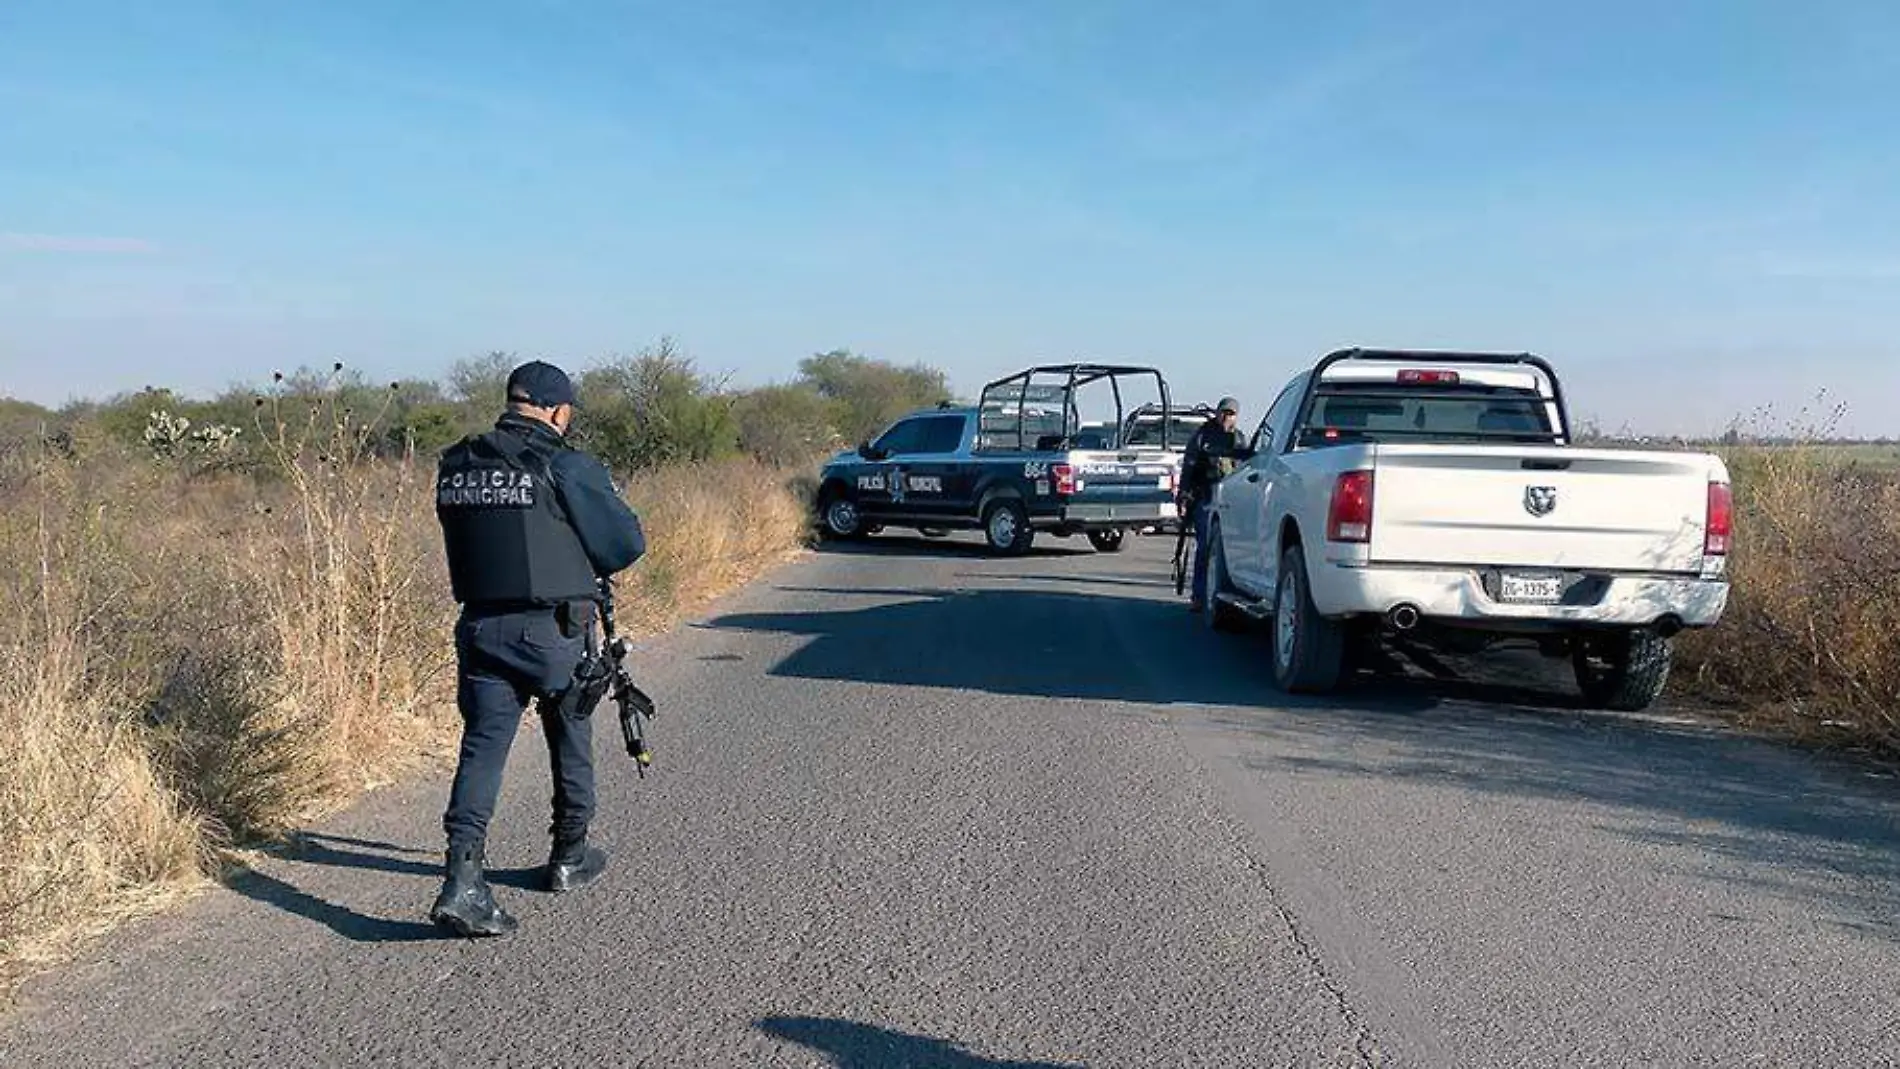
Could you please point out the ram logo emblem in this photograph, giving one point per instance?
(1540, 500)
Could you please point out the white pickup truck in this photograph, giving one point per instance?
(1438, 497)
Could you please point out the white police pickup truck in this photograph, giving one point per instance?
(1008, 467)
(1438, 497)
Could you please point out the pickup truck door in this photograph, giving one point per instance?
(1238, 505)
(878, 497)
(942, 473)
(920, 468)
(1249, 508)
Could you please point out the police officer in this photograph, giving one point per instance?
(1210, 456)
(529, 525)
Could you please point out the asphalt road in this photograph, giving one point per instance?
(917, 807)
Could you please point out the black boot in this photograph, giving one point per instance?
(573, 864)
(467, 906)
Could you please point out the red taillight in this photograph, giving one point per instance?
(1065, 478)
(1721, 520)
(1350, 518)
(1413, 377)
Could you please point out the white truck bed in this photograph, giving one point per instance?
(1541, 506)
(1411, 494)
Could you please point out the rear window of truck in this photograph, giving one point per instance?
(1017, 421)
(1180, 429)
(1383, 411)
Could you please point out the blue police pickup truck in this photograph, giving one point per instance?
(1011, 466)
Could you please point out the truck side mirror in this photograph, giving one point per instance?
(867, 450)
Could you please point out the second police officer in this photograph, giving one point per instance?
(1210, 456)
(530, 525)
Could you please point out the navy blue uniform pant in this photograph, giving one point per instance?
(1198, 517)
(505, 660)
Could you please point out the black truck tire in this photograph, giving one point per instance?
(1623, 671)
(1309, 651)
(1107, 541)
(839, 517)
(1006, 527)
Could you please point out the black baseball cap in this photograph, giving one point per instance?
(1228, 404)
(542, 385)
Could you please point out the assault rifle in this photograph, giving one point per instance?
(1180, 544)
(634, 703)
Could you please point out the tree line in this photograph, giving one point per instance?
(647, 410)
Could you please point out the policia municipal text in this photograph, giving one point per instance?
(530, 526)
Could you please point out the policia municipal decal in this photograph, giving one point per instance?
(500, 489)
(899, 484)
(532, 529)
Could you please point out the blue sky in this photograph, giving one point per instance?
(1692, 207)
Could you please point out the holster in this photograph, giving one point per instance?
(593, 675)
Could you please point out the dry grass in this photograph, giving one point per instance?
(89, 831)
(192, 661)
(1810, 646)
(709, 527)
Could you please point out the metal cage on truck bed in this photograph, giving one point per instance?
(1034, 410)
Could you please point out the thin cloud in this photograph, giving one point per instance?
(1240, 130)
(74, 244)
(1832, 269)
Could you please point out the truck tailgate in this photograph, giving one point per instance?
(1539, 507)
(1103, 477)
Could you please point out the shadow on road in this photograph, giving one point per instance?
(1159, 585)
(311, 848)
(851, 1045)
(953, 548)
(342, 920)
(1067, 644)
(1820, 831)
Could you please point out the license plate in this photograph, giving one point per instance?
(1531, 589)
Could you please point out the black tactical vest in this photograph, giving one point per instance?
(1202, 470)
(507, 536)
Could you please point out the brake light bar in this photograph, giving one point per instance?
(1721, 522)
(1349, 518)
(1418, 377)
